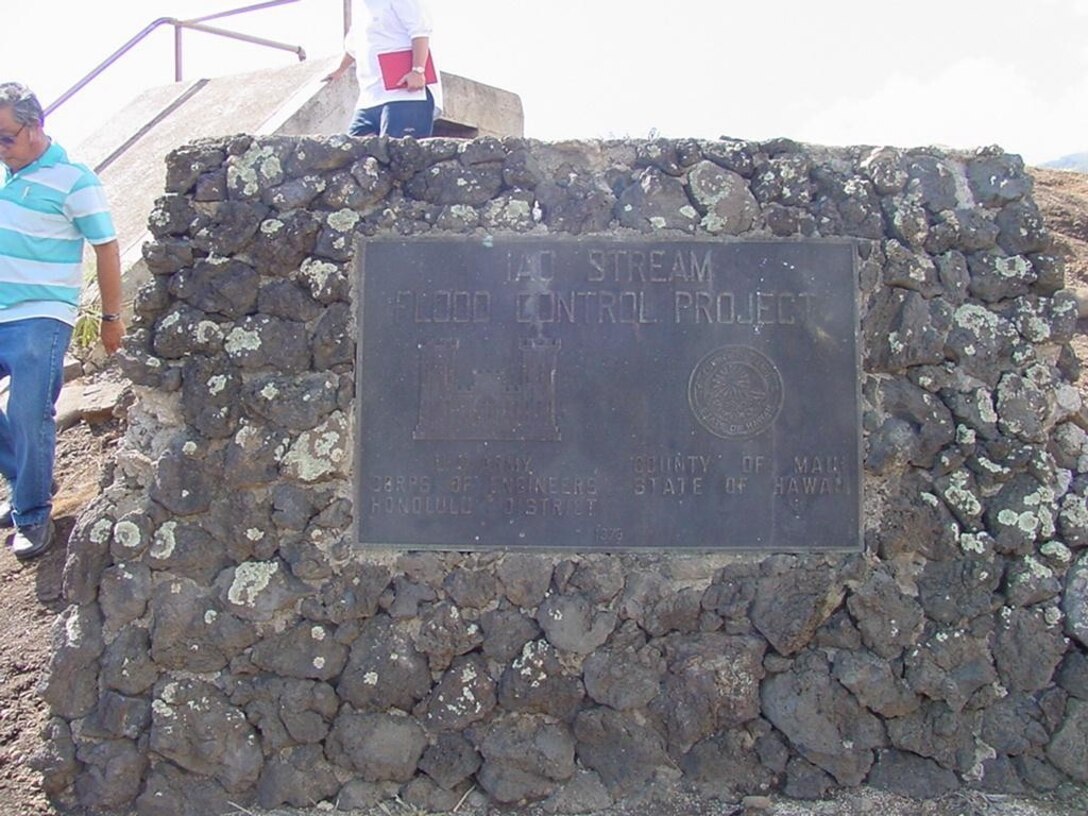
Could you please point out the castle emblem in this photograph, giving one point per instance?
(494, 404)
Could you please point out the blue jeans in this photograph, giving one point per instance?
(412, 118)
(32, 355)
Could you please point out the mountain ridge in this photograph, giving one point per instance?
(1077, 162)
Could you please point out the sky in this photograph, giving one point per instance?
(955, 73)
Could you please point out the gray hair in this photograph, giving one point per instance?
(25, 107)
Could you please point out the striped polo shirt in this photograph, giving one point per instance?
(47, 209)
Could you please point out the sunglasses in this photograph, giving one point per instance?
(8, 141)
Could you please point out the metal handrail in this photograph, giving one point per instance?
(196, 24)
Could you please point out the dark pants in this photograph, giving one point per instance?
(32, 355)
(413, 118)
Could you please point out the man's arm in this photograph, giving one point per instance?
(345, 62)
(108, 270)
(414, 80)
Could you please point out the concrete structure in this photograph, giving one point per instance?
(128, 151)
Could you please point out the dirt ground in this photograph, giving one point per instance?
(30, 599)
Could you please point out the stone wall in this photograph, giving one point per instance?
(227, 642)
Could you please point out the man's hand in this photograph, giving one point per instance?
(112, 334)
(413, 81)
(345, 62)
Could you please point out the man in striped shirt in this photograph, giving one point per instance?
(48, 207)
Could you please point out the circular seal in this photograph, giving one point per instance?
(735, 391)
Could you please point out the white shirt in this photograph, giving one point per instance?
(387, 25)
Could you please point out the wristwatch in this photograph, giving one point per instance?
(110, 318)
(419, 69)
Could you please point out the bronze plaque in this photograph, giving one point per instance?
(606, 394)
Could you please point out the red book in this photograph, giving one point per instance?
(395, 64)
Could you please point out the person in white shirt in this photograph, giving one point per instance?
(408, 107)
